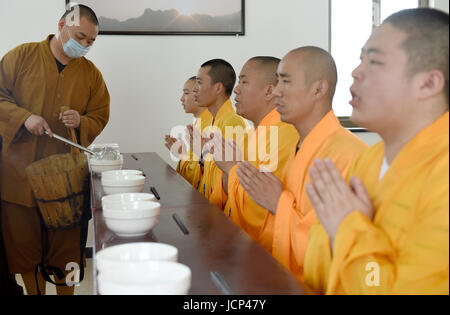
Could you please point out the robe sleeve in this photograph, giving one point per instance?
(97, 111)
(367, 262)
(12, 116)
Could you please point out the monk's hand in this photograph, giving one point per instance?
(226, 153)
(169, 141)
(333, 199)
(36, 125)
(70, 118)
(263, 187)
(194, 139)
(176, 146)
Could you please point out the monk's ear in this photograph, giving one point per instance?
(268, 92)
(219, 88)
(61, 24)
(428, 84)
(320, 88)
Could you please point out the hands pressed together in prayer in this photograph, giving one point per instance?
(176, 146)
(333, 199)
(226, 153)
(263, 187)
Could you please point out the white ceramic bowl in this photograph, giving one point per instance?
(152, 277)
(123, 184)
(100, 166)
(109, 259)
(132, 219)
(110, 200)
(121, 173)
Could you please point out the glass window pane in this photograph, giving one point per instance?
(389, 7)
(351, 26)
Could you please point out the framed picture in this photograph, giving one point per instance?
(168, 17)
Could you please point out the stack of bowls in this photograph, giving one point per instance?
(123, 184)
(141, 268)
(131, 218)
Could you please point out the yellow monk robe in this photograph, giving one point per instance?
(408, 239)
(211, 182)
(295, 214)
(188, 167)
(31, 84)
(240, 207)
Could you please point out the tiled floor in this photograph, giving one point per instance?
(85, 287)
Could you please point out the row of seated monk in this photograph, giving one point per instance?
(341, 216)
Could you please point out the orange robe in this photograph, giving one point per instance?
(295, 214)
(405, 248)
(188, 167)
(211, 182)
(279, 147)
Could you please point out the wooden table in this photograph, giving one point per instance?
(214, 242)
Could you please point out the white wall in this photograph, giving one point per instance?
(145, 74)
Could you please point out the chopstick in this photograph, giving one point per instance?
(180, 224)
(153, 190)
(134, 157)
(221, 284)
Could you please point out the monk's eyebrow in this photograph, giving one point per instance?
(372, 51)
(242, 76)
(283, 75)
(84, 35)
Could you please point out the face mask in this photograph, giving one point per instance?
(74, 49)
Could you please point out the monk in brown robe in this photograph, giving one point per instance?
(36, 80)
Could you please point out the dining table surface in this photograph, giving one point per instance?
(223, 259)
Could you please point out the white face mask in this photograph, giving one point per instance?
(74, 49)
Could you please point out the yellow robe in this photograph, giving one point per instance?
(295, 214)
(188, 167)
(211, 182)
(31, 84)
(240, 207)
(406, 245)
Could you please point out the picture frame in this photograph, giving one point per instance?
(168, 17)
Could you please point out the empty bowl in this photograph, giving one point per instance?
(152, 277)
(121, 173)
(110, 258)
(123, 184)
(131, 219)
(126, 197)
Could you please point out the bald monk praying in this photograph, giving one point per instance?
(385, 230)
(36, 80)
(269, 146)
(215, 83)
(188, 166)
(306, 83)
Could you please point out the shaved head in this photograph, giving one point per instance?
(426, 44)
(84, 11)
(267, 68)
(317, 65)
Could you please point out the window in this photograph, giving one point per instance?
(351, 23)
